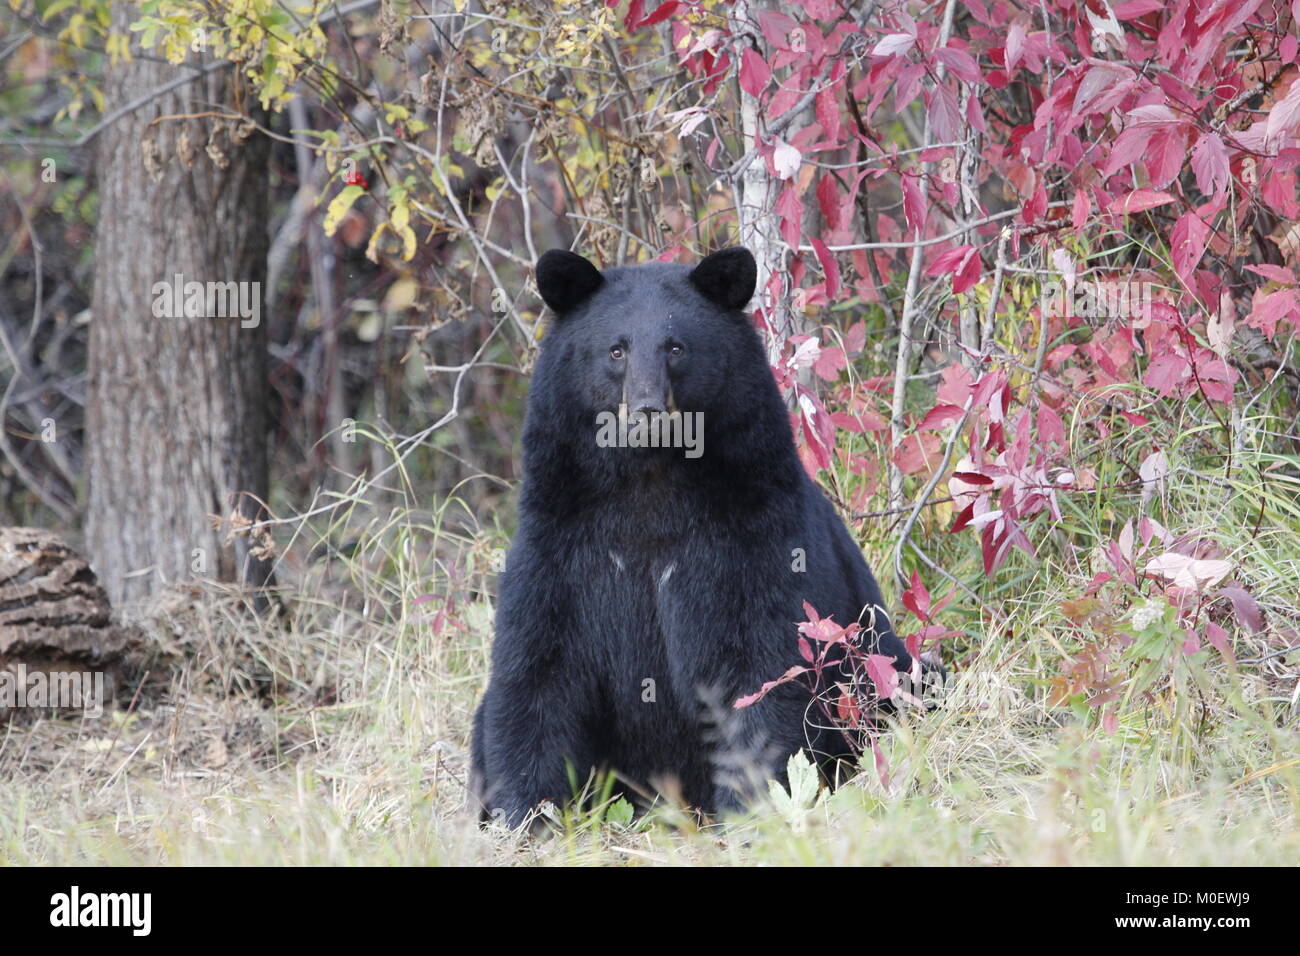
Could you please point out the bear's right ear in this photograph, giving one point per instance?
(565, 279)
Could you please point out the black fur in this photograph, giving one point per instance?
(632, 564)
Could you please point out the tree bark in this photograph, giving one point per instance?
(176, 410)
(759, 228)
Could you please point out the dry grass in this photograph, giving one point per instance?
(337, 734)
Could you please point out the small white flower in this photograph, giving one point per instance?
(1146, 615)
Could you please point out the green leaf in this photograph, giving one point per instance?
(620, 813)
(54, 9)
(805, 782)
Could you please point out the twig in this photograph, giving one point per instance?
(51, 501)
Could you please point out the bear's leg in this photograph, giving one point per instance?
(533, 731)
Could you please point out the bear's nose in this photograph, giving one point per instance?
(648, 409)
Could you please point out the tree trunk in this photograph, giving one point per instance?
(176, 411)
(759, 228)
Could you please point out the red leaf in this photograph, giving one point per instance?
(1110, 721)
(830, 362)
(1166, 372)
(790, 208)
(954, 385)
(827, 109)
(917, 599)
(828, 200)
(1079, 212)
(881, 671)
(962, 262)
(754, 72)
(986, 391)
(1036, 207)
(659, 15)
(1015, 38)
(829, 266)
(1101, 88)
(1140, 200)
(961, 63)
(1218, 637)
(1210, 164)
(1050, 427)
(855, 338)
(1098, 579)
(963, 519)
(1269, 308)
(805, 649)
(776, 27)
(1137, 8)
(635, 10)
(968, 274)
(846, 709)
(1165, 155)
(1188, 244)
(913, 204)
(1015, 46)
(892, 44)
(1246, 607)
(1273, 273)
(754, 698)
(916, 452)
(1289, 48)
(939, 416)
(1284, 116)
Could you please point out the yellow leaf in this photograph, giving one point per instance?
(372, 249)
(338, 208)
(368, 328)
(400, 295)
(400, 217)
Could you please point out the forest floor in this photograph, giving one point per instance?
(337, 734)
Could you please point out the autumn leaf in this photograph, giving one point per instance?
(1192, 574)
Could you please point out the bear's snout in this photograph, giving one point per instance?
(646, 388)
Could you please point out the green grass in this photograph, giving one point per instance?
(338, 735)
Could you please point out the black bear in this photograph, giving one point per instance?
(652, 583)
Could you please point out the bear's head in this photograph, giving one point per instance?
(651, 338)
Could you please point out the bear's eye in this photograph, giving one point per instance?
(616, 353)
(676, 349)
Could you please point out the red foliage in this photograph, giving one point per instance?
(1173, 123)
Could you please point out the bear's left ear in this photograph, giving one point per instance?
(565, 278)
(727, 278)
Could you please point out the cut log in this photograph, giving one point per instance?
(55, 619)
